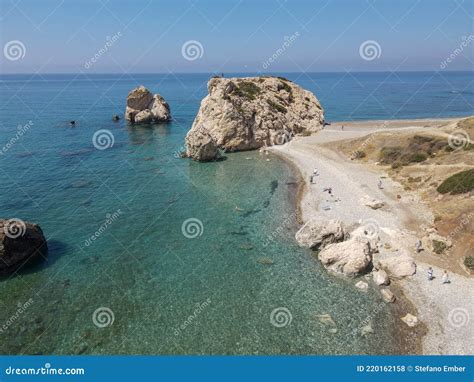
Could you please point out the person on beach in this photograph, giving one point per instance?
(380, 185)
(445, 278)
(430, 273)
(418, 246)
(342, 127)
(315, 172)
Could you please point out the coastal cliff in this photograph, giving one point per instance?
(249, 113)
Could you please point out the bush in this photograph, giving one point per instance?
(276, 106)
(247, 89)
(418, 157)
(438, 247)
(469, 262)
(459, 183)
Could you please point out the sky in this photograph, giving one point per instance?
(152, 36)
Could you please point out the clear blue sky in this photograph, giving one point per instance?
(61, 36)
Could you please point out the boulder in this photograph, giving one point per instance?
(20, 243)
(201, 146)
(144, 107)
(398, 267)
(349, 258)
(317, 234)
(380, 277)
(253, 112)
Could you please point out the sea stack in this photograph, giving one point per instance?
(249, 113)
(20, 243)
(145, 107)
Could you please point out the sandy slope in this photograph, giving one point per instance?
(396, 222)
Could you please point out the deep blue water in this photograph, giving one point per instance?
(141, 266)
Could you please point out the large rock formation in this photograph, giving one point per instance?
(144, 107)
(248, 113)
(317, 234)
(348, 258)
(20, 243)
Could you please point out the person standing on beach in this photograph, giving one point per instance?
(342, 127)
(418, 246)
(430, 273)
(445, 278)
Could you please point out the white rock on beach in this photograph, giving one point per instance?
(410, 320)
(349, 258)
(372, 203)
(317, 234)
(380, 277)
(362, 285)
(144, 107)
(398, 266)
(253, 112)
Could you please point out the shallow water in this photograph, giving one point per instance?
(211, 294)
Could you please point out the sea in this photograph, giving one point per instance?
(150, 253)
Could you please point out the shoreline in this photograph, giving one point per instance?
(435, 333)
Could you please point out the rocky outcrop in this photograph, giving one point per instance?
(398, 266)
(349, 258)
(20, 243)
(316, 234)
(248, 113)
(144, 107)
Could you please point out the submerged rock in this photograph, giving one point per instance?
(144, 107)
(20, 243)
(387, 295)
(249, 113)
(316, 234)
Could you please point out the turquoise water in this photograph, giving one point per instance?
(169, 294)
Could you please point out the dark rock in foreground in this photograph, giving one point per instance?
(20, 243)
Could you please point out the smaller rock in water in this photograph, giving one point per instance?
(326, 319)
(144, 107)
(366, 330)
(387, 295)
(410, 320)
(115, 118)
(265, 261)
(362, 285)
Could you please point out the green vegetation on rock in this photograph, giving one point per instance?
(469, 262)
(459, 183)
(276, 106)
